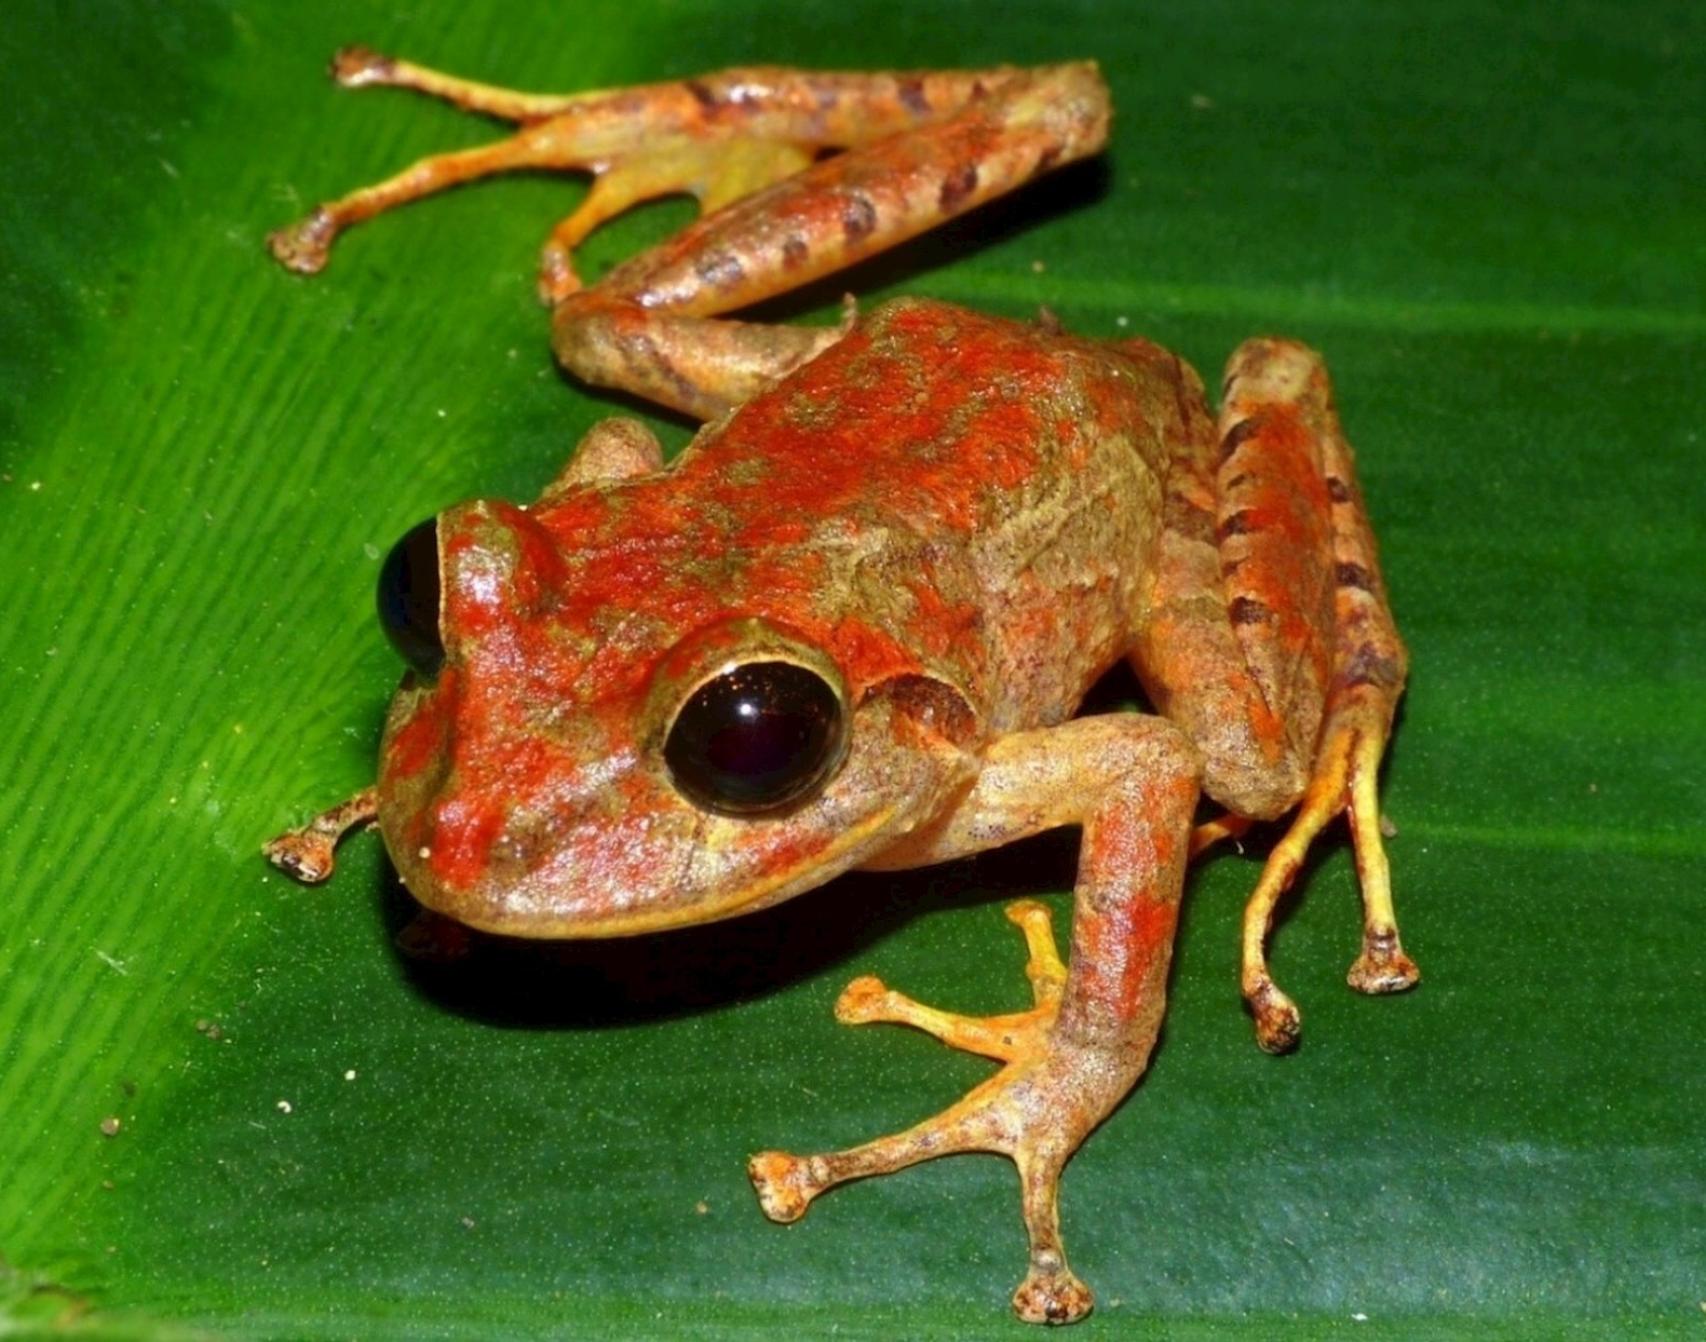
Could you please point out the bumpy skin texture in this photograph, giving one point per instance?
(914, 504)
(957, 523)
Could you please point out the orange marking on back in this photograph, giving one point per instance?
(938, 401)
(937, 626)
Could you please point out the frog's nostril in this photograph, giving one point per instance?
(409, 598)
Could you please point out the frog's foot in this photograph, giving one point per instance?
(1006, 1038)
(1036, 1110)
(640, 144)
(717, 172)
(306, 852)
(1344, 780)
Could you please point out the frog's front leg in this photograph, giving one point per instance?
(1131, 782)
(306, 852)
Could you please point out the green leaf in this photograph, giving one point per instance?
(1489, 217)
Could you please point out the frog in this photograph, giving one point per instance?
(852, 624)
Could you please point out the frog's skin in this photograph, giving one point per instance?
(958, 522)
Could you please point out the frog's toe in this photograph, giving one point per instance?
(355, 66)
(864, 1000)
(307, 851)
(1052, 1293)
(557, 277)
(302, 854)
(1278, 1022)
(304, 245)
(1019, 1034)
(1382, 967)
(784, 1184)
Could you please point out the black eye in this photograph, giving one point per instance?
(755, 738)
(408, 598)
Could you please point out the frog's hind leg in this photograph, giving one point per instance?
(1277, 398)
(1272, 644)
(720, 137)
(649, 327)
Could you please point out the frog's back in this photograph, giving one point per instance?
(992, 489)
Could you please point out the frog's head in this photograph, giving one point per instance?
(591, 746)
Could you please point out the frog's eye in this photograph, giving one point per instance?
(756, 737)
(408, 598)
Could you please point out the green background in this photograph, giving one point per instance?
(1491, 218)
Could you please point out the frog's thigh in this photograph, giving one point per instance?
(1131, 782)
(1268, 585)
(1254, 720)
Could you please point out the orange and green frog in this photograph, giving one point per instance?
(850, 625)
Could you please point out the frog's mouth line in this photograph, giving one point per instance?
(771, 888)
